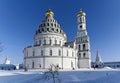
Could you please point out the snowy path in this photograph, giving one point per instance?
(66, 77)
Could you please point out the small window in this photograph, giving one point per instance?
(50, 52)
(55, 41)
(81, 40)
(39, 30)
(40, 65)
(84, 55)
(51, 24)
(80, 26)
(67, 53)
(47, 29)
(55, 25)
(50, 41)
(79, 56)
(71, 64)
(33, 64)
(39, 42)
(42, 29)
(52, 29)
(47, 24)
(60, 31)
(59, 52)
(79, 47)
(44, 41)
(33, 52)
(41, 52)
(83, 46)
(57, 30)
(80, 19)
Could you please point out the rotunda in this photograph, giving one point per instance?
(50, 47)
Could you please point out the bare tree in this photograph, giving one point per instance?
(52, 73)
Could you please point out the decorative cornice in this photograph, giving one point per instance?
(50, 57)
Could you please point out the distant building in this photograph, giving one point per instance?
(7, 61)
(100, 64)
(8, 66)
(114, 65)
(98, 61)
(51, 46)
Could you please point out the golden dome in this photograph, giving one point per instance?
(49, 13)
(81, 13)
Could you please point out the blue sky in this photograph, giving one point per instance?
(19, 20)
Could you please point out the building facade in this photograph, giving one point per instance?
(51, 46)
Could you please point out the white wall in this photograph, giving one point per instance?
(62, 60)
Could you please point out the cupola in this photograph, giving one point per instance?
(49, 13)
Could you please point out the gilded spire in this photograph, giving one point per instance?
(49, 13)
(81, 13)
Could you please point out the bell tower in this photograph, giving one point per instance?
(82, 42)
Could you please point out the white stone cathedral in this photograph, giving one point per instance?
(51, 46)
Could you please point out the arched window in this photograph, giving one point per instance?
(59, 52)
(42, 29)
(33, 52)
(48, 29)
(47, 24)
(39, 42)
(71, 64)
(84, 55)
(52, 29)
(33, 64)
(44, 41)
(79, 47)
(80, 20)
(81, 40)
(56, 30)
(40, 65)
(55, 25)
(50, 52)
(83, 46)
(41, 25)
(50, 41)
(41, 52)
(55, 41)
(79, 56)
(51, 24)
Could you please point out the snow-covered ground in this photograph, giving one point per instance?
(72, 76)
